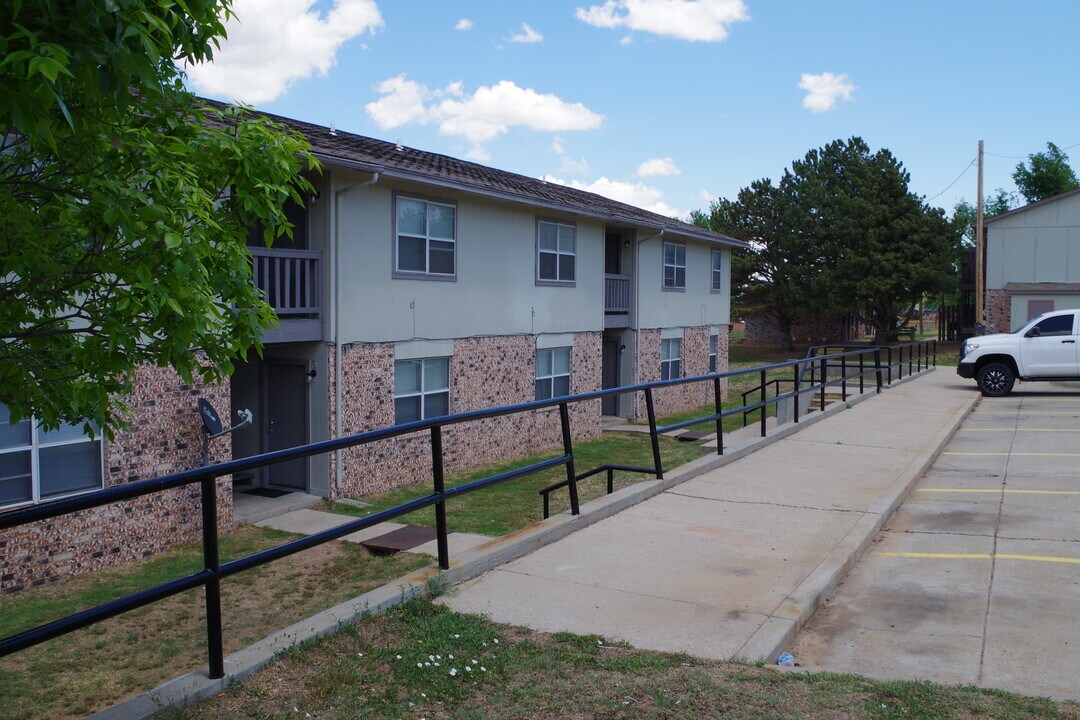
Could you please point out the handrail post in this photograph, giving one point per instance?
(934, 347)
(610, 481)
(764, 406)
(843, 377)
(212, 562)
(900, 365)
(720, 421)
(889, 350)
(910, 352)
(861, 388)
(651, 412)
(877, 368)
(568, 449)
(440, 487)
(824, 379)
(795, 397)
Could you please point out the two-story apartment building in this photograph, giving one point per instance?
(1033, 261)
(415, 285)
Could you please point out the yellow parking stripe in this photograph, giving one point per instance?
(999, 490)
(1015, 454)
(979, 556)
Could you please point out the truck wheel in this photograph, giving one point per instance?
(996, 379)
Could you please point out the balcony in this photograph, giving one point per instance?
(616, 301)
(291, 282)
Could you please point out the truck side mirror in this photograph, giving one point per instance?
(1033, 332)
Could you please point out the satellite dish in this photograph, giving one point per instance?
(211, 420)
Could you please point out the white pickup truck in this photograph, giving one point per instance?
(1043, 349)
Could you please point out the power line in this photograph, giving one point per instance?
(1025, 157)
(968, 167)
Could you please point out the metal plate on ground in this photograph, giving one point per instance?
(691, 435)
(405, 538)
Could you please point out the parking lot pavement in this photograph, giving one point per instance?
(976, 578)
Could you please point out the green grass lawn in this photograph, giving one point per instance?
(424, 661)
(93, 668)
(504, 508)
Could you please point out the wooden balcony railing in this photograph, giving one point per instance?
(291, 283)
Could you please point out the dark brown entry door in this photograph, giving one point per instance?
(609, 404)
(285, 401)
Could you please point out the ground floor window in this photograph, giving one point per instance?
(37, 465)
(552, 373)
(421, 389)
(670, 359)
(712, 352)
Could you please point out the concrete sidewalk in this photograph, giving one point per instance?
(734, 561)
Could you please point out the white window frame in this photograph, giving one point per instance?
(558, 252)
(34, 448)
(714, 345)
(676, 266)
(568, 374)
(717, 275)
(426, 273)
(666, 363)
(423, 392)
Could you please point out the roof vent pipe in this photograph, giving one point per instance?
(333, 129)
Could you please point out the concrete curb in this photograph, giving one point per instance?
(780, 629)
(196, 686)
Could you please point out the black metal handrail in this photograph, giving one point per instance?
(214, 571)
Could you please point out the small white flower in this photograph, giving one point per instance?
(430, 657)
(453, 672)
(475, 661)
(419, 664)
(438, 664)
(359, 654)
(423, 694)
(412, 704)
(398, 657)
(456, 637)
(468, 668)
(496, 641)
(451, 657)
(483, 669)
(438, 657)
(427, 664)
(484, 644)
(599, 642)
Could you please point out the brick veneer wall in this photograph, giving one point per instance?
(164, 437)
(694, 361)
(999, 309)
(484, 372)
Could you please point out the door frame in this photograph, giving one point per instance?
(606, 341)
(265, 402)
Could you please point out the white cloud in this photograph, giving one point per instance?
(485, 114)
(574, 167)
(822, 91)
(696, 20)
(636, 194)
(658, 166)
(274, 43)
(527, 35)
(626, 40)
(705, 196)
(557, 145)
(464, 24)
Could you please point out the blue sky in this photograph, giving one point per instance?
(665, 103)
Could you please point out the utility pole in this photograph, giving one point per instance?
(980, 280)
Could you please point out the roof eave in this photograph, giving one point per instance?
(427, 179)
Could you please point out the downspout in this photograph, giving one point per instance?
(637, 314)
(337, 320)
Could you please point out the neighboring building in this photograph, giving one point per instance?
(415, 285)
(1033, 261)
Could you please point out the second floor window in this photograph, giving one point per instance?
(674, 266)
(421, 389)
(552, 373)
(426, 237)
(37, 465)
(717, 270)
(556, 252)
(670, 359)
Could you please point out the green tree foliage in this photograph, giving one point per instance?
(772, 277)
(125, 205)
(1046, 174)
(841, 234)
(878, 247)
(1000, 201)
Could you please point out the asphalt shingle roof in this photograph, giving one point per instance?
(364, 153)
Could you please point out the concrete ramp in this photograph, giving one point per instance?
(733, 562)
